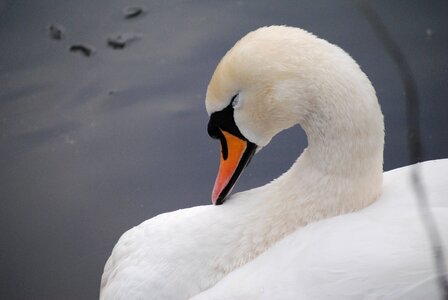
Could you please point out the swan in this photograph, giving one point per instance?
(328, 228)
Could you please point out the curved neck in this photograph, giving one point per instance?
(339, 172)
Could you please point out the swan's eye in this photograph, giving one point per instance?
(236, 101)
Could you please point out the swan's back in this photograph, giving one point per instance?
(381, 252)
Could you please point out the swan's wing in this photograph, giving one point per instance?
(159, 258)
(381, 252)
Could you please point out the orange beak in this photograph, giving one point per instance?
(235, 156)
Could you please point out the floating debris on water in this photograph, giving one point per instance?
(83, 49)
(121, 40)
(56, 32)
(133, 11)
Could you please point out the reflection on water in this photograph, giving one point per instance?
(91, 146)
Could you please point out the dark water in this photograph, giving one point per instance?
(91, 145)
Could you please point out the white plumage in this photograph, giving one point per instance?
(319, 231)
(380, 252)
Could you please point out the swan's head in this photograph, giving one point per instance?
(269, 81)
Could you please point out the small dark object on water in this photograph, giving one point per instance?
(115, 43)
(132, 12)
(121, 40)
(57, 32)
(84, 50)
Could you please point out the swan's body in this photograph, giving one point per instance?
(380, 252)
(275, 78)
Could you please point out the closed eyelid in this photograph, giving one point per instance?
(236, 101)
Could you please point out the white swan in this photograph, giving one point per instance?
(272, 79)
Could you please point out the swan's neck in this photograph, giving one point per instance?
(339, 172)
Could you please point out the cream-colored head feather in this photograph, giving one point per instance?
(284, 76)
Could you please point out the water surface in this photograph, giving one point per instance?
(93, 145)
